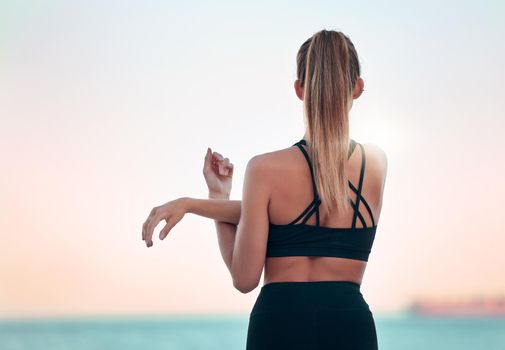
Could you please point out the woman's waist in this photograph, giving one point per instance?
(301, 268)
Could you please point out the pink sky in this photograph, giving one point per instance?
(100, 120)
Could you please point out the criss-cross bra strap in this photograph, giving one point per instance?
(316, 201)
(310, 209)
(357, 211)
(365, 203)
(314, 205)
(360, 186)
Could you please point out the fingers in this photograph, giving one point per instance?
(215, 160)
(150, 230)
(165, 230)
(222, 165)
(218, 162)
(144, 225)
(217, 155)
(230, 169)
(207, 164)
(227, 167)
(149, 226)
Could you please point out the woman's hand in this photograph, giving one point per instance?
(218, 173)
(172, 212)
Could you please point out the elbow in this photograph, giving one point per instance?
(244, 286)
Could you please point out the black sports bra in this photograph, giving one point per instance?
(301, 239)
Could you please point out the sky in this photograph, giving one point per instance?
(107, 109)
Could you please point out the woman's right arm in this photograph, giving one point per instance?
(219, 209)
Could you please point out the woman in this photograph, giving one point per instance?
(314, 255)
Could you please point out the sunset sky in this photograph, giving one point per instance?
(107, 109)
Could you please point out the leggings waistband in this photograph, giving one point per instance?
(309, 295)
(349, 285)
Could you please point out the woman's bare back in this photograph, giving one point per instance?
(292, 192)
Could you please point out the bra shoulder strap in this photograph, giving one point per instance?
(360, 186)
(352, 146)
(316, 201)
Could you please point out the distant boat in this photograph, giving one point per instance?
(476, 307)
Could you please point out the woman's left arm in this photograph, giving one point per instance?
(248, 250)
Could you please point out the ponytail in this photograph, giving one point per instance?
(328, 68)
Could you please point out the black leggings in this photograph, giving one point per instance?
(311, 316)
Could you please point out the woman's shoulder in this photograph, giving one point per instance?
(275, 161)
(274, 156)
(376, 161)
(376, 158)
(376, 154)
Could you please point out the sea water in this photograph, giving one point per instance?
(228, 332)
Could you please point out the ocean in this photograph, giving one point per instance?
(228, 332)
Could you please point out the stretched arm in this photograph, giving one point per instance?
(226, 215)
(225, 212)
(242, 226)
(217, 207)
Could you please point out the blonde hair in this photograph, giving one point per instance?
(327, 68)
